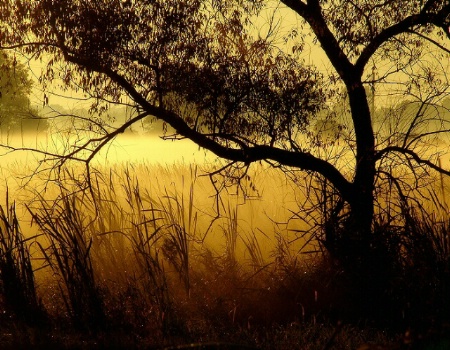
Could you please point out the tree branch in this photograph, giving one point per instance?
(106, 138)
(245, 154)
(434, 42)
(312, 13)
(413, 155)
(403, 26)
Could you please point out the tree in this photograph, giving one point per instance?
(203, 68)
(15, 88)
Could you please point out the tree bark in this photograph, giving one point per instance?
(362, 198)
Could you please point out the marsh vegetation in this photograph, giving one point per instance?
(146, 256)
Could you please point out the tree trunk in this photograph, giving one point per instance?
(362, 198)
(351, 241)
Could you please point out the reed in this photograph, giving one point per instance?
(17, 281)
(68, 253)
(142, 252)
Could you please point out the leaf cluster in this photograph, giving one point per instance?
(169, 54)
(357, 24)
(15, 88)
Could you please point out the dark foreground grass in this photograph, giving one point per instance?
(117, 268)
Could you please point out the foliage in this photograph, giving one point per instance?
(67, 253)
(17, 280)
(16, 113)
(233, 79)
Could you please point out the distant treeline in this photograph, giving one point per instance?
(58, 115)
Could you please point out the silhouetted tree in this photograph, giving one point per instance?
(16, 113)
(205, 69)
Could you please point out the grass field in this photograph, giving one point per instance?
(149, 256)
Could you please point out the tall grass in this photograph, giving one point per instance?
(143, 251)
(17, 281)
(68, 253)
(147, 239)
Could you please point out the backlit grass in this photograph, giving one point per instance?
(151, 256)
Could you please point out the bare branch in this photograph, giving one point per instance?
(405, 151)
(403, 26)
(434, 42)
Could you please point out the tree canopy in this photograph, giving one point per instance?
(208, 70)
(15, 88)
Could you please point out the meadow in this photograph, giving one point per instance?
(147, 256)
